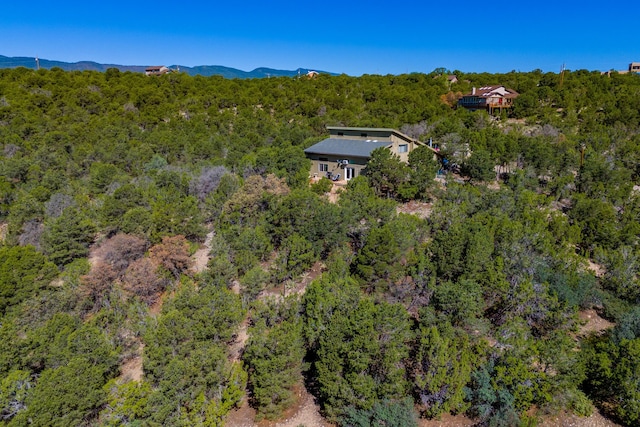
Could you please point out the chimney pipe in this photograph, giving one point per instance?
(473, 91)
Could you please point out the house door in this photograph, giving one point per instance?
(349, 173)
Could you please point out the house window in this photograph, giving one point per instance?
(323, 167)
(403, 148)
(340, 133)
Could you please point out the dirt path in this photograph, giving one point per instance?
(201, 256)
(306, 412)
(131, 370)
(237, 347)
(4, 229)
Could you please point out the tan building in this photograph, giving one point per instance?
(634, 67)
(345, 153)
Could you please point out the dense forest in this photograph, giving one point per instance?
(110, 182)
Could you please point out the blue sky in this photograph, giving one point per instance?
(352, 37)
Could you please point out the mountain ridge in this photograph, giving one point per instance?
(201, 70)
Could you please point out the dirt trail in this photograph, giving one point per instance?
(201, 256)
(306, 412)
(131, 370)
(237, 347)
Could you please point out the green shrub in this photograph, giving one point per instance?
(323, 186)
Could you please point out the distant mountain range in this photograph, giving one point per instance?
(201, 70)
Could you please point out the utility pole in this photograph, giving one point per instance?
(37, 63)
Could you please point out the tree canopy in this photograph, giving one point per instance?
(112, 185)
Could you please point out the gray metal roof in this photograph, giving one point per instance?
(346, 147)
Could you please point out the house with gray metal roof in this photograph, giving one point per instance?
(345, 154)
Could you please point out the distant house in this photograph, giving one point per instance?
(490, 98)
(312, 74)
(452, 79)
(156, 70)
(634, 67)
(346, 152)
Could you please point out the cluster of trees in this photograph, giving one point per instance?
(110, 181)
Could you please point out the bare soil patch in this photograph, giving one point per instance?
(570, 420)
(244, 416)
(235, 287)
(156, 307)
(4, 229)
(336, 189)
(306, 278)
(305, 412)
(597, 269)
(299, 286)
(131, 370)
(237, 346)
(420, 209)
(593, 322)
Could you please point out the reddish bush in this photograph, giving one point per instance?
(98, 282)
(172, 254)
(142, 279)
